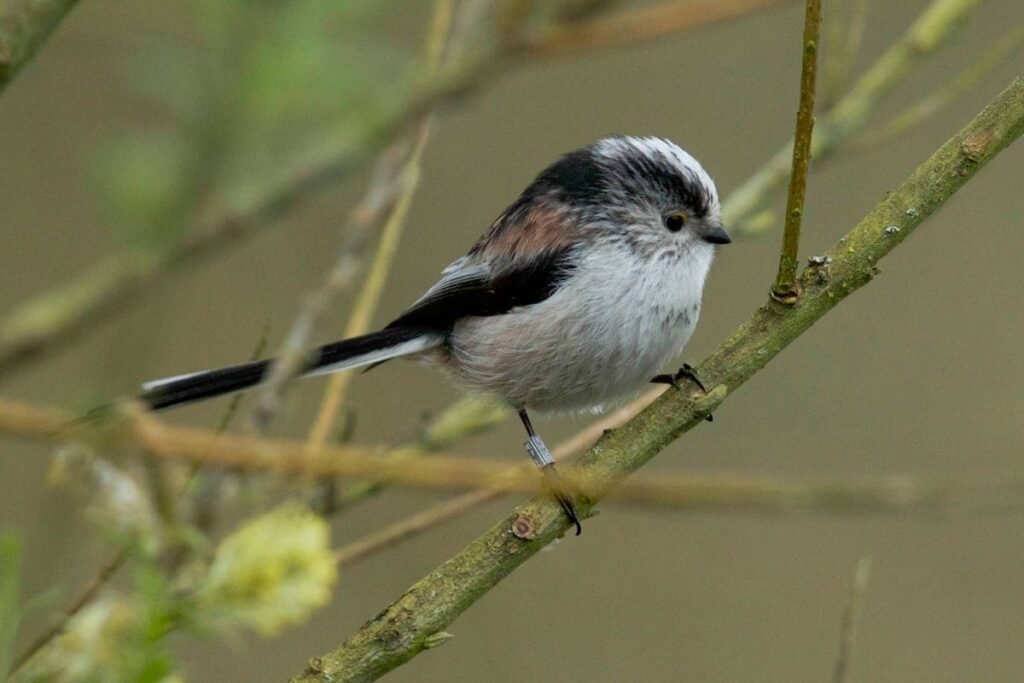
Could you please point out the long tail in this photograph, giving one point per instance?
(368, 349)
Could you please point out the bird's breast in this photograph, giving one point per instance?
(609, 328)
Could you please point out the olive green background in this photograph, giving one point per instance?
(919, 373)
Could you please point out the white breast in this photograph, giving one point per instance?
(618, 321)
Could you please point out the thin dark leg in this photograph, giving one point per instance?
(687, 371)
(545, 463)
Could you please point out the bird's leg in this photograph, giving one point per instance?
(541, 457)
(687, 371)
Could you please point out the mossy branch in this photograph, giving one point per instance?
(403, 629)
(24, 27)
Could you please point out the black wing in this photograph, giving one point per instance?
(476, 289)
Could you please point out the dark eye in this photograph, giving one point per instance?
(675, 221)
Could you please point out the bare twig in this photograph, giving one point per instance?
(84, 598)
(920, 112)
(844, 35)
(851, 616)
(385, 205)
(362, 315)
(399, 632)
(133, 428)
(24, 27)
(784, 290)
(643, 25)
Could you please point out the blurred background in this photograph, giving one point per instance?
(136, 118)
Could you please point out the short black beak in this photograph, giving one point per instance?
(715, 234)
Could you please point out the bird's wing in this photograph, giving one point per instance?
(473, 287)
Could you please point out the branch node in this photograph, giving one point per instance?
(524, 527)
(436, 639)
(975, 145)
(787, 297)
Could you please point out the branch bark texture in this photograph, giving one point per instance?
(403, 629)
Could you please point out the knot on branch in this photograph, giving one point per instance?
(524, 527)
(975, 145)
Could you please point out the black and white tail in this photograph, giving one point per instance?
(368, 349)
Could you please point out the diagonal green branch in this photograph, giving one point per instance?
(403, 629)
(24, 27)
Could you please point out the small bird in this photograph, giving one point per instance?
(576, 296)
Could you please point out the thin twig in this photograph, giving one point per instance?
(844, 35)
(204, 514)
(369, 296)
(361, 317)
(920, 112)
(643, 25)
(385, 204)
(851, 616)
(784, 290)
(84, 598)
(134, 428)
(398, 633)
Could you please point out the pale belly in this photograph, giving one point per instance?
(596, 342)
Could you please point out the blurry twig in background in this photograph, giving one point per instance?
(844, 34)
(642, 25)
(91, 589)
(385, 205)
(399, 632)
(203, 519)
(785, 290)
(851, 616)
(743, 213)
(24, 27)
(979, 493)
(1007, 44)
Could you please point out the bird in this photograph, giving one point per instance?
(574, 299)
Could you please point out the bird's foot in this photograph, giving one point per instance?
(687, 372)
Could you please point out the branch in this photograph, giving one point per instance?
(24, 27)
(927, 107)
(642, 25)
(135, 429)
(398, 633)
(851, 616)
(784, 290)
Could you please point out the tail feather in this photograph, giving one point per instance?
(369, 349)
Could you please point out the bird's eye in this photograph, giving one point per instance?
(675, 221)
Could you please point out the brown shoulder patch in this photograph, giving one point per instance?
(522, 231)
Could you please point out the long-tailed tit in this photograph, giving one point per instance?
(574, 299)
